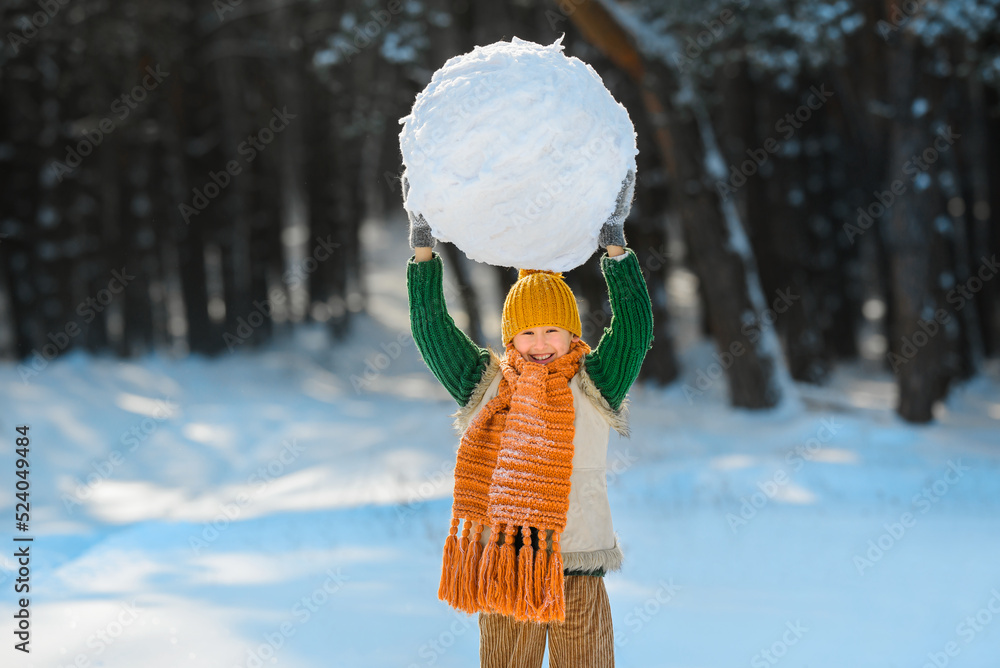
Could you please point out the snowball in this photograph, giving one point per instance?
(516, 153)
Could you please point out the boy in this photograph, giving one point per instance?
(530, 470)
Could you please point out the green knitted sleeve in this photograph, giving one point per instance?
(614, 364)
(452, 357)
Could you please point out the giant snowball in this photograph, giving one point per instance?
(516, 154)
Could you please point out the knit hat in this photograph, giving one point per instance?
(539, 298)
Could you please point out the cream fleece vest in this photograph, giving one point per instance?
(589, 541)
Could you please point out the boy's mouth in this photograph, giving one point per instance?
(542, 358)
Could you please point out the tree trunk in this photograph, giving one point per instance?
(916, 355)
(976, 196)
(295, 205)
(719, 251)
(193, 110)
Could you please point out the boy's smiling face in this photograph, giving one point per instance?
(543, 344)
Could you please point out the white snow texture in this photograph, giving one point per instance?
(515, 153)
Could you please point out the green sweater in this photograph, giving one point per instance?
(458, 363)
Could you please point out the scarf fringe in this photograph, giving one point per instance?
(526, 584)
(487, 575)
(468, 575)
(447, 589)
(507, 574)
(524, 602)
(541, 572)
(554, 605)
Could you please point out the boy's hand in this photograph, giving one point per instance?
(420, 231)
(613, 231)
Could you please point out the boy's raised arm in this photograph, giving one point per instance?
(454, 359)
(614, 364)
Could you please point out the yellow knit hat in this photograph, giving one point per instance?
(539, 298)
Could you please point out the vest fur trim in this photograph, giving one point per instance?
(610, 559)
(617, 419)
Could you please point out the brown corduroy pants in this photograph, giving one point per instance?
(584, 640)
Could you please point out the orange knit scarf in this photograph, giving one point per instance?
(513, 473)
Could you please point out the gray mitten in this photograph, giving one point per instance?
(613, 230)
(420, 231)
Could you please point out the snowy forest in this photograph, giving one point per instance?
(831, 159)
(238, 456)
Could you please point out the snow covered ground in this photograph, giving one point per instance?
(288, 507)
